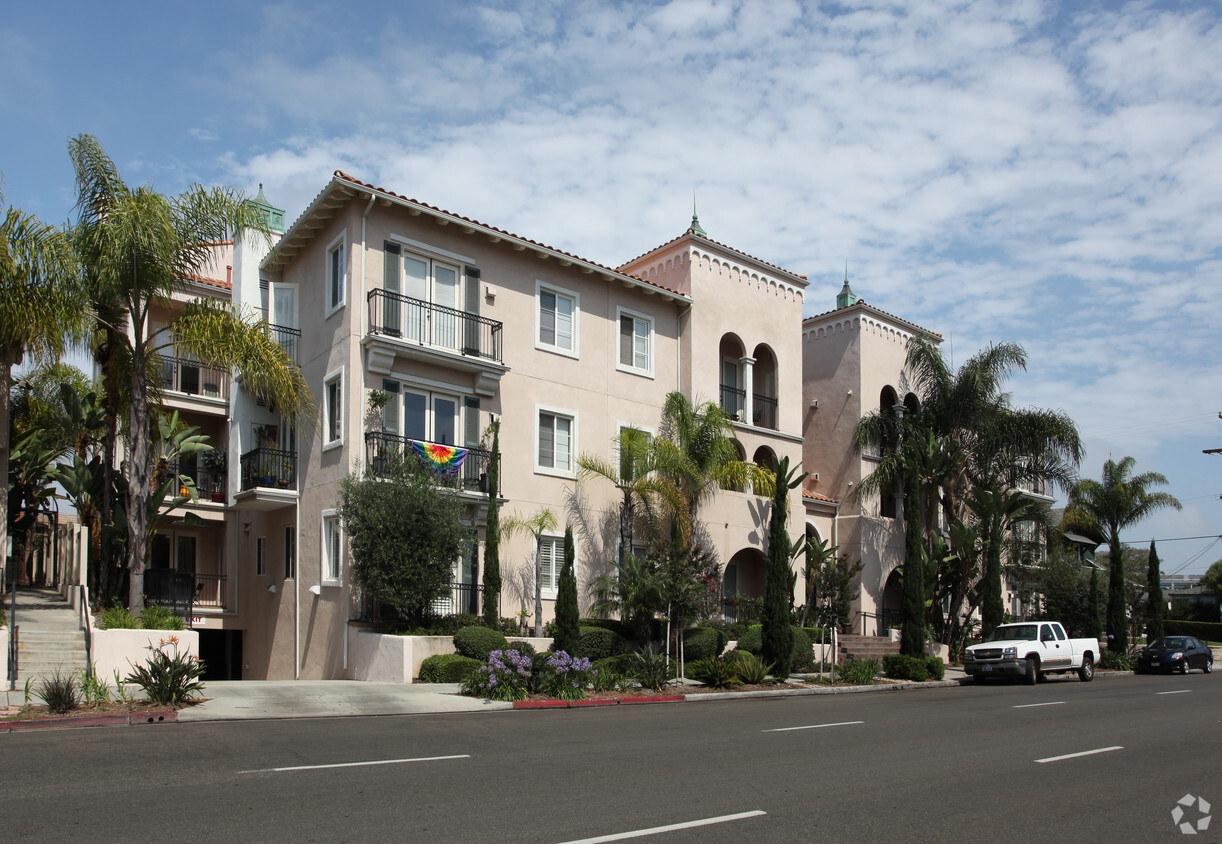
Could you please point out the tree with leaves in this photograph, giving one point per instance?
(568, 632)
(778, 634)
(137, 245)
(1155, 602)
(42, 309)
(541, 522)
(1100, 510)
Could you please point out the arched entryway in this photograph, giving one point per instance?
(892, 597)
(742, 583)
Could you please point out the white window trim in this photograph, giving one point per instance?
(331, 378)
(260, 556)
(620, 313)
(547, 470)
(340, 240)
(323, 580)
(540, 287)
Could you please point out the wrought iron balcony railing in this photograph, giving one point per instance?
(269, 467)
(182, 375)
(180, 591)
(209, 483)
(733, 401)
(427, 324)
(471, 476)
(763, 411)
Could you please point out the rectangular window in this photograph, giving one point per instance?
(557, 320)
(335, 275)
(290, 552)
(555, 450)
(261, 555)
(635, 343)
(332, 545)
(551, 560)
(333, 399)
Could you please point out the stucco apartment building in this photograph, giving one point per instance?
(458, 322)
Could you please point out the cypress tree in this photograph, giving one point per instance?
(1154, 605)
(778, 636)
(568, 634)
(492, 554)
(912, 606)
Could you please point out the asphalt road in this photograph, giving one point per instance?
(960, 764)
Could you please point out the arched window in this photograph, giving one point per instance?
(764, 388)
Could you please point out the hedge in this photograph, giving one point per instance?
(702, 643)
(916, 668)
(1206, 631)
(477, 642)
(447, 668)
(598, 642)
(803, 659)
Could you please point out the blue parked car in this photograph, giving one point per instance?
(1175, 653)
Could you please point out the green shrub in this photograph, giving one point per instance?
(613, 624)
(859, 672)
(751, 669)
(1114, 661)
(702, 643)
(447, 668)
(714, 672)
(117, 617)
(60, 693)
(812, 633)
(506, 676)
(478, 642)
(599, 642)
(1206, 631)
(651, 670)
(901, 667)
(93, 689)
(159, 618)
(802, 659)
(168, 680)
(606, 681)
(619, 664)
(936, 668)
(523, 648)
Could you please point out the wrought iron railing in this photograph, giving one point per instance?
(269, 467)
(733, 401)
(472, 476)
(396, 315)
(181, 591)
(181, 375)
(763, 411)
(286, 338)
(209, 483)
(457, 598)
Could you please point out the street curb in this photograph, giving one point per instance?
(581, 704)
(713, 697)
(127, 719)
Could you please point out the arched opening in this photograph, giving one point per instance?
(742, 585)
(764, 456)
(889, 606)
(741, 456)
(764, 388)
(912, 405)
(733, 396)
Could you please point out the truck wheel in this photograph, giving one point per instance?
(1087, 672)
(1033, 671)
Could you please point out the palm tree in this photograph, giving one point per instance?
(1102, 509)
(541, 522)
(42, 309)
(137, 245)
(645, 477)
(998, 512)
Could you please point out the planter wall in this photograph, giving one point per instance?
(121, 650)
(381, 658)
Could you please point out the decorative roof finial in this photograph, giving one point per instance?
(694, 228)
(847, 296)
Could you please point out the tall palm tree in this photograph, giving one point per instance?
(137, 245)
(541, 522)
(1102, 509)
(42, 309)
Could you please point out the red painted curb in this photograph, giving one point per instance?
(654, 699)
(573, 704)
(70, 721)
(540, 704)
(154, 717)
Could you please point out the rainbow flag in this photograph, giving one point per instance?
(442, 459)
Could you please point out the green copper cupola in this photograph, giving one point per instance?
(274, 216)
(846, 296)
(694, 228)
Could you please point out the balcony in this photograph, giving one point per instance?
(182, 592)
(210, 484)
(192, 378)
(471, 477)
(733, 401)
(285, 337)
(415, 330)
(763, 411)
(268, 479)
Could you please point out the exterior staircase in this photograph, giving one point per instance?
(50, 639)
(865, 647)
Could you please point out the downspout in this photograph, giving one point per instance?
(297, 573)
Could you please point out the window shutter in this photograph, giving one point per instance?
(471, 422)
(471, 330)
(391, 286)
(625, 340)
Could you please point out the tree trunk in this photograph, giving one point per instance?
(992, 607)
(538, 585)
(912, 613)
(10, 356)
(136, 470)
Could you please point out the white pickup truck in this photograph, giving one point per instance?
(1030, 650)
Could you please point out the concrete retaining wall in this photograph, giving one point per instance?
(381, 658)
(121, 650)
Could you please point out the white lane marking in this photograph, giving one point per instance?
(354, 764)
(813, 727)
(1029, 705)
(1176, 692)
(641, 833)
(1076, 755)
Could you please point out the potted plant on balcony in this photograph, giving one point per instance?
(216, 463)
(287, 471)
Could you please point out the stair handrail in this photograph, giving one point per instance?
(86, 625)
(13, 633)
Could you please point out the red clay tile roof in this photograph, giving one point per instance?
(876, 310)
(814, 496)
(211, 282)
(689, 232)
(340, 174)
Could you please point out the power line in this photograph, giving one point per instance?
(1170, 539)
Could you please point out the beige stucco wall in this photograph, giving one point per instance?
(121, 650)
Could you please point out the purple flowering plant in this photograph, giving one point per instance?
(505, 676)
(568, 676)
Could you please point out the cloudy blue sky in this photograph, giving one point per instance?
(1047, 173)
